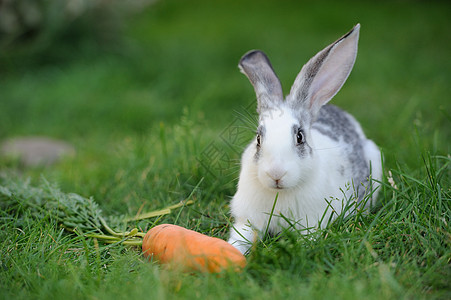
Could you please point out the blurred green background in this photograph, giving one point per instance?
(98, 73)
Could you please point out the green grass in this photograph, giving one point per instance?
(143, 111)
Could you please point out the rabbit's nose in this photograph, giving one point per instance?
(276, 175)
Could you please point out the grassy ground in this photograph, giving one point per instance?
(145, 111)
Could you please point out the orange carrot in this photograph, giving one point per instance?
(190, 251)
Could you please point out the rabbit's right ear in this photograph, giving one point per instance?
(256, 66)
(323, 75)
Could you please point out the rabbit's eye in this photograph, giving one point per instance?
(299, 137)
(259, 139)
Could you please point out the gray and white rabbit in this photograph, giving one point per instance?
(314, 156)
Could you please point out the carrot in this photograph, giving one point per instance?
(191, 251)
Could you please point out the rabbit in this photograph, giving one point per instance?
(308, 158)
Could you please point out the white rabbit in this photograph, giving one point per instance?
(314, 157)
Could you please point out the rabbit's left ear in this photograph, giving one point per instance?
(324, 74)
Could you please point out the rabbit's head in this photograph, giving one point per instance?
(284, 155)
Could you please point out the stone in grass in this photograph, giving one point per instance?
(36, 151)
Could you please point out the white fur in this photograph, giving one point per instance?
(308, 186)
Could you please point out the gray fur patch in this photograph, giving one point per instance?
(335, 124)
(260, 131)
(302, 149)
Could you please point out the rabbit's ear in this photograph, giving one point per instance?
(324, 74)
(256, 66)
